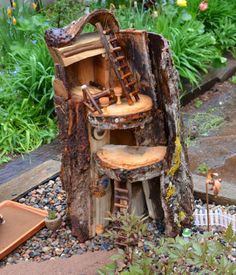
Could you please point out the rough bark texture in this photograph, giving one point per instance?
(135, 45)
(149, 58)
(75, 174)
(176, 185)
(65, 36)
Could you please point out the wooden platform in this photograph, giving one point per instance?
(124, 109)
(130, 157)
(123, 116)
(88, 45)
(122, 162)
(22, 183)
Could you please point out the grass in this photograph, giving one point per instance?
(197, 40)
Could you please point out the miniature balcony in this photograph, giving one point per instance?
(123, 115)
(130, 163)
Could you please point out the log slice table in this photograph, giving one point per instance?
(130, 163)
(123, 115)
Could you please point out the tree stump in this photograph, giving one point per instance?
(148, 60)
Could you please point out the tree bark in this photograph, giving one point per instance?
(75, 173)
(176, 184)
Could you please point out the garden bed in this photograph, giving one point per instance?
(47, 245)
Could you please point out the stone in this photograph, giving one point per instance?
(46, 249)
(10, 260)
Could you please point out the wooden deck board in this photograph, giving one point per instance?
(21, 184)
(26, 162)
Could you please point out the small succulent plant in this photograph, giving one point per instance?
(52, 215)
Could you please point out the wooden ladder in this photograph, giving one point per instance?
(119, 63)
(121, 196)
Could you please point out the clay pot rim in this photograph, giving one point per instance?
(56, 219)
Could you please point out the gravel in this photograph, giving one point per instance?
(47, 244)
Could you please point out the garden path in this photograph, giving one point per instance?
(210, 146)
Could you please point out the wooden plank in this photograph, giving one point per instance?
(226, 195)
(150, 204)
(100, 206)
(137, 203)
(18, 186)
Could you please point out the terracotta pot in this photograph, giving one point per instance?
(53, 224)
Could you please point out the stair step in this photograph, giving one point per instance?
(122, 190)
(123, 67)
(120, 205)
(112, 39)
(121, 197)
(120, 58)
(116, 49)
(131, 83)
(134, 92)
(126, 75)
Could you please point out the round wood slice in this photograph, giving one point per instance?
(123, 116)
(130, 163)
(130, 157)
(124, 109)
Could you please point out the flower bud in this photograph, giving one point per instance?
(182, 3)
(13, 20)
(9, 12)
(34, 6)
(203, 6)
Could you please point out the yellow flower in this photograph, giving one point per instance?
(182, 3)
(9, 12)
(13, 20)
(34, 6)
(14, 4)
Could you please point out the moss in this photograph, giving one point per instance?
(177, 157)
(170, 191)
(182, 216)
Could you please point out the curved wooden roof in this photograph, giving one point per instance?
(65, 36)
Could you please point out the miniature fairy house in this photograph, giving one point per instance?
(116, 99)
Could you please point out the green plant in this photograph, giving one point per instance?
(198, 103)
(205, 121)
(26, 89)
(225, 33)
(233, 79)
(61, 13)
(52, 215)
(201, 254)
(203, 168)
(193, 49)
(129, 230)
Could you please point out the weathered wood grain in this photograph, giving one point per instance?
(21, 184)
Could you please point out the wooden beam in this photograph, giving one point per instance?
(29, 180)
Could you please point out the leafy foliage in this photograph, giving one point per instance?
(201, 254)
(52, 215)
(197, 40)
(193, 49)
(26, 88)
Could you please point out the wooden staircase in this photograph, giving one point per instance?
(119, 64)
(121, 196)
